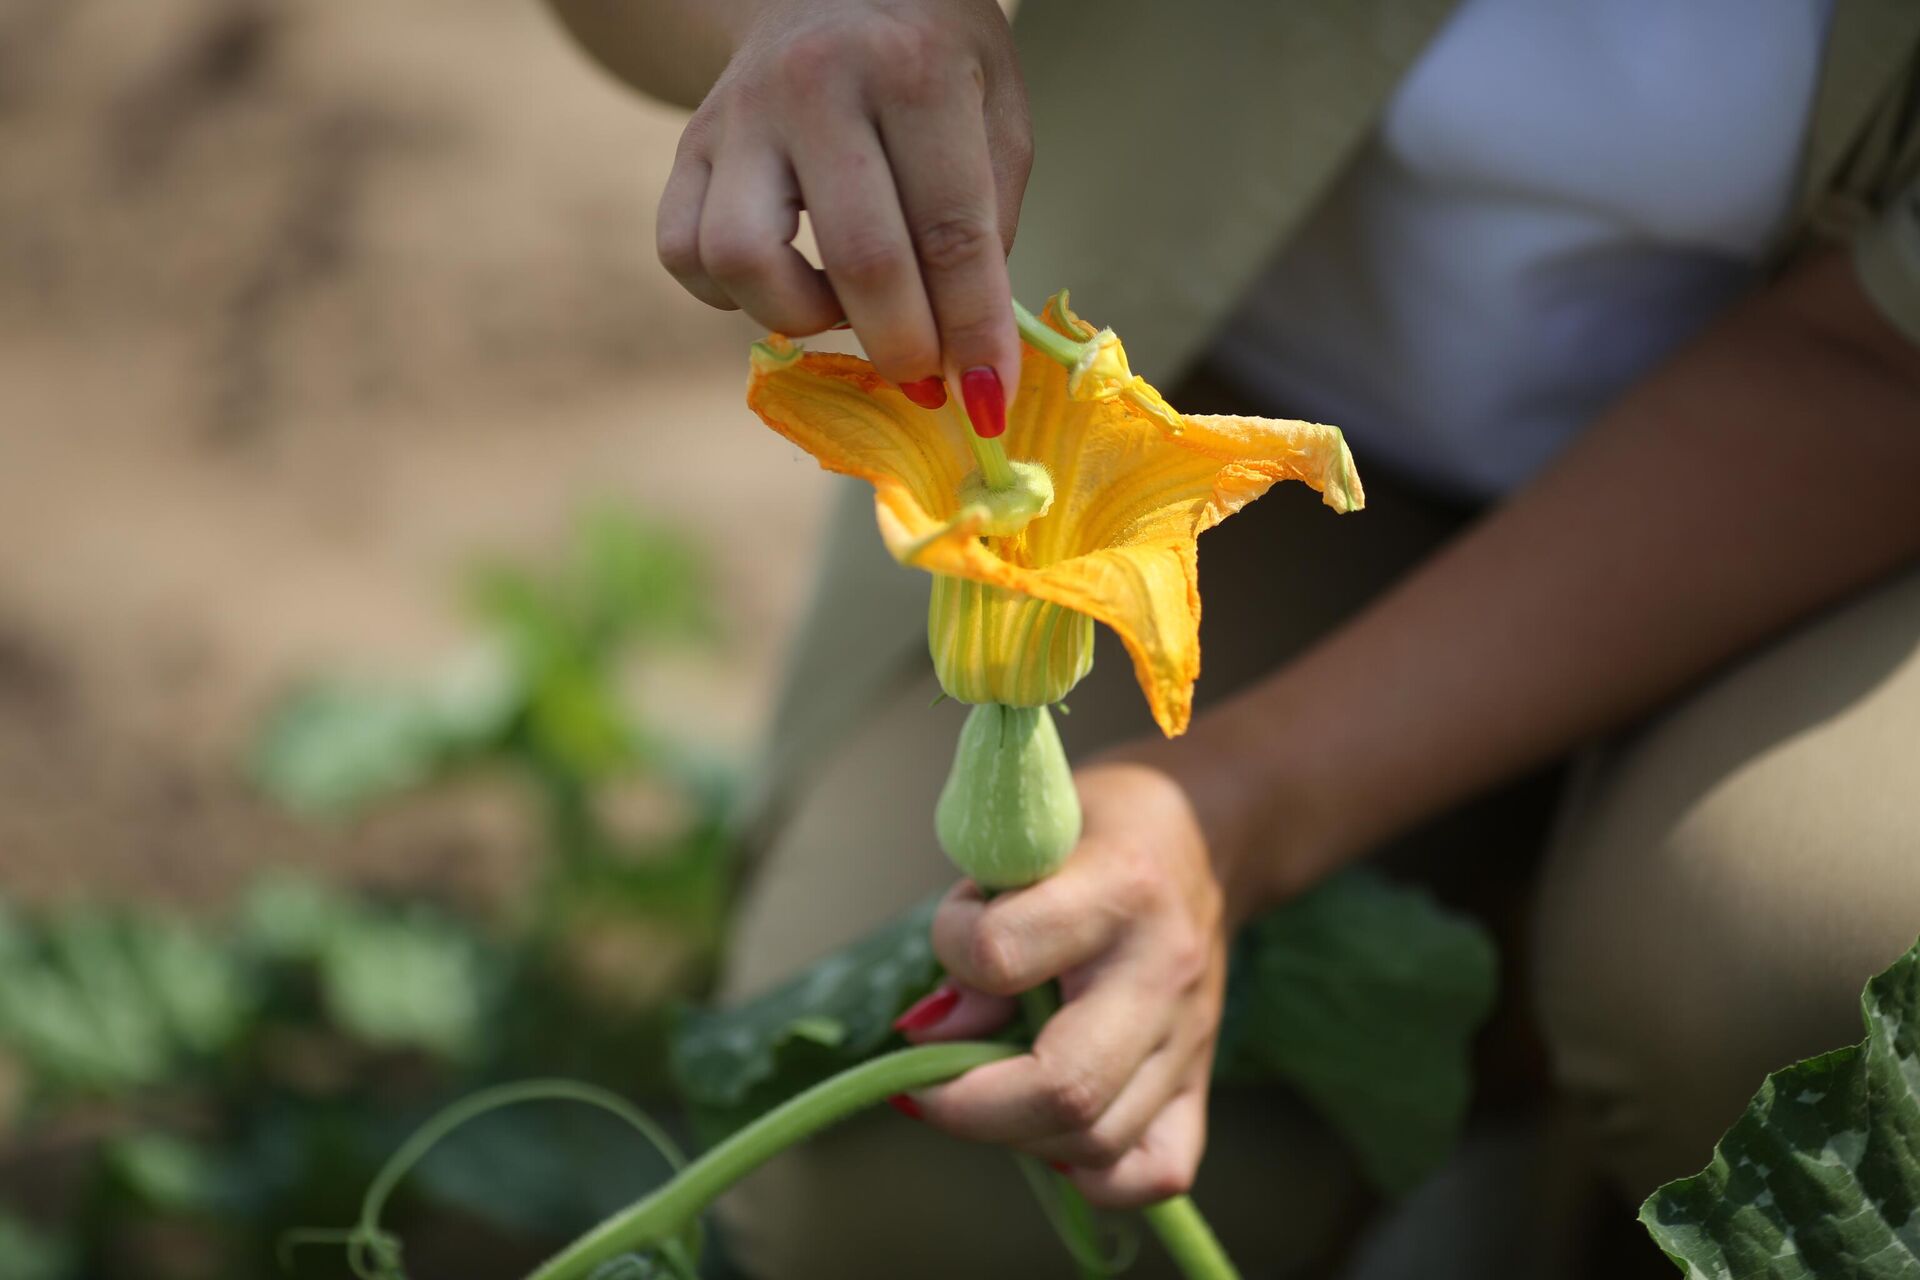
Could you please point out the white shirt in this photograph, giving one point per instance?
(1559, 195)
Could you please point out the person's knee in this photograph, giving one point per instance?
(1725, 885)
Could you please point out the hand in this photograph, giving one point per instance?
(1134, 927)
(902, 129)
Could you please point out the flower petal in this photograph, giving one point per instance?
(856, 423)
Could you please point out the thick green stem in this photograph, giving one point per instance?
(665, 1214)
(1189, 1240)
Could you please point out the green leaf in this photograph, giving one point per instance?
(1365, 997)
(734, 1063)
(94, 1000)
(631, 1266)
(27, 1253)
(546, 1171)
(413, 981)
(337, 746)
(1821, 1176)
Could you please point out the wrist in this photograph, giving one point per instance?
(1264, 836)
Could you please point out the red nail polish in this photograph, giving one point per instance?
(986, 401)
(928, 393)
(905, 1106)
(1060, 1167)
(930, 1011)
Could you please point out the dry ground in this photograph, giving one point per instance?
(303, 303)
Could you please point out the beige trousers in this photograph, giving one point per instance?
(1718, 888)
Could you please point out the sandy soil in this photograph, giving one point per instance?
(303, 304)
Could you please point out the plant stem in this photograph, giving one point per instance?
(1058, 347)
(1188, 1239)
(991, 455)
(665, 1213)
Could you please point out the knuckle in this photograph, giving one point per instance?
(867, 262)
(952, 242)
(730, 256)
(906, 58)
(993, 962)
(1104, 1148)
(812, 58)
(678, 250)
(1073, 1100)
(1186, 958)
(1137, 885)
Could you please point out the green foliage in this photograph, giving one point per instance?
(102, 1002)
(27, 1253)
(1819, 1178)
(541, 691)
(1365, 997)
(733, 1064)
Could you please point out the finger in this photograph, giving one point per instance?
(1124, 1125)
(1084, 1057)
(747, 225)
(954, 1012)
(676, 230)
(863, 242)
(937, 145)
(1162, 1165)
(1016, 941)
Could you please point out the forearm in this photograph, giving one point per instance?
(668, 49)
(1767, 471)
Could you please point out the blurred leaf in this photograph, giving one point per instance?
(631, 1266)
(732, 1064)
(1819, 1177)
(167, 1172)
(411, 982)
(27, 1253)
(640, 582)
(102, 1001)
(335, 747)
(289, 918)
(1364, 996)
(546, 1172)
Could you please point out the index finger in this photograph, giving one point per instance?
(937, 146)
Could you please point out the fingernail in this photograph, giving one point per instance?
(928, 393)
(844, 324)
(986, 401)
(1060, 1167)
(905, 1106)
(930, 1011)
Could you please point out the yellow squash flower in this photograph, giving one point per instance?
(1134, 483)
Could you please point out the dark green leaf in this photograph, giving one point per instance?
(631, 1266)
(734, 1063)
(1365, 997)
(1821, 1177)
(546, 1171)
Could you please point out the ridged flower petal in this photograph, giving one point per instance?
(1131, 492)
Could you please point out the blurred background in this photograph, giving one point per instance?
(392, 587)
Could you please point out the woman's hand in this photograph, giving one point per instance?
(1135, 928)
(901, 128)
